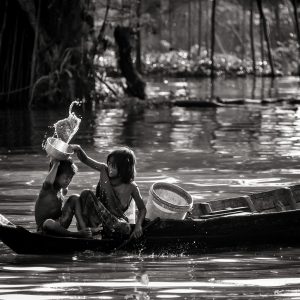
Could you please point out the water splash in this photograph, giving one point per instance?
(65, 129)
(44, 141)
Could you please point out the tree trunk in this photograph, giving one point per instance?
(103, 26)
(207, 28)
(219, 44)
(277, 21)
(170, 21)
(213, 16)
(262, 50)
(13, 59)
(252, 40)
(29, 8)
(199, 26)
(135, 84)
(3, 25)
(244, 32)
(253, 87)
(138, 46)
(262, 89)
(294, 3)
(189, 29)
(264, 24)
(160, 27)
(34, 53)
(122, 12)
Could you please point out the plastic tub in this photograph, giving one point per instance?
(168, 201)
(58, 149)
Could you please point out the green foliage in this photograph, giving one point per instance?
(65, 61)
(59, 84)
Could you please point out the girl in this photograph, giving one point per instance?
(114, 192)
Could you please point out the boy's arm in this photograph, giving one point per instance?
(83, 157)
(136, 195)
(52, 173)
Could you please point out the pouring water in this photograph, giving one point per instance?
(65, 129)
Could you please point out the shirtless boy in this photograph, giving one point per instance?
(50, 215)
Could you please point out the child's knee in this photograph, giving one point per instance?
(85, 194)
(72, 201)
(48, 225)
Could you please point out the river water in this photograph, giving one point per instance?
(213, 153)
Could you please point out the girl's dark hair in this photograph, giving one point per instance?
(125, 160)
(66, 167)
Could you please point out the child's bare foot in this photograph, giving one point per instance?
(97, 230)
(86, 232)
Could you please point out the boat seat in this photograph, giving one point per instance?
(226, 212)
(243, 203)
(230, 210)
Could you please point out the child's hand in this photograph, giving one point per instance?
(76, 148)
(137, 232)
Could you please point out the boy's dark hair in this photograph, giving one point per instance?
(66, 167)
(124, 159)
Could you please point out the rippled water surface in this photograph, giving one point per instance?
(213, 153)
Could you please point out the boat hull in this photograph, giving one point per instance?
(228, 232)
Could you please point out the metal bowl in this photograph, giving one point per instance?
(58, 149)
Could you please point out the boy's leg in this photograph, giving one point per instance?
(53, 227)
(68, 211)
(76, 206)
(73, 207)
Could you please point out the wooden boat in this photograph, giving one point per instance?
(259, 220)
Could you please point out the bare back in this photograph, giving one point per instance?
(48, 205)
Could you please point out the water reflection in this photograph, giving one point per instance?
(257, 131)
(13, 133)
(230, 275)
(258, 88)
(262, 130)
(211, 152)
